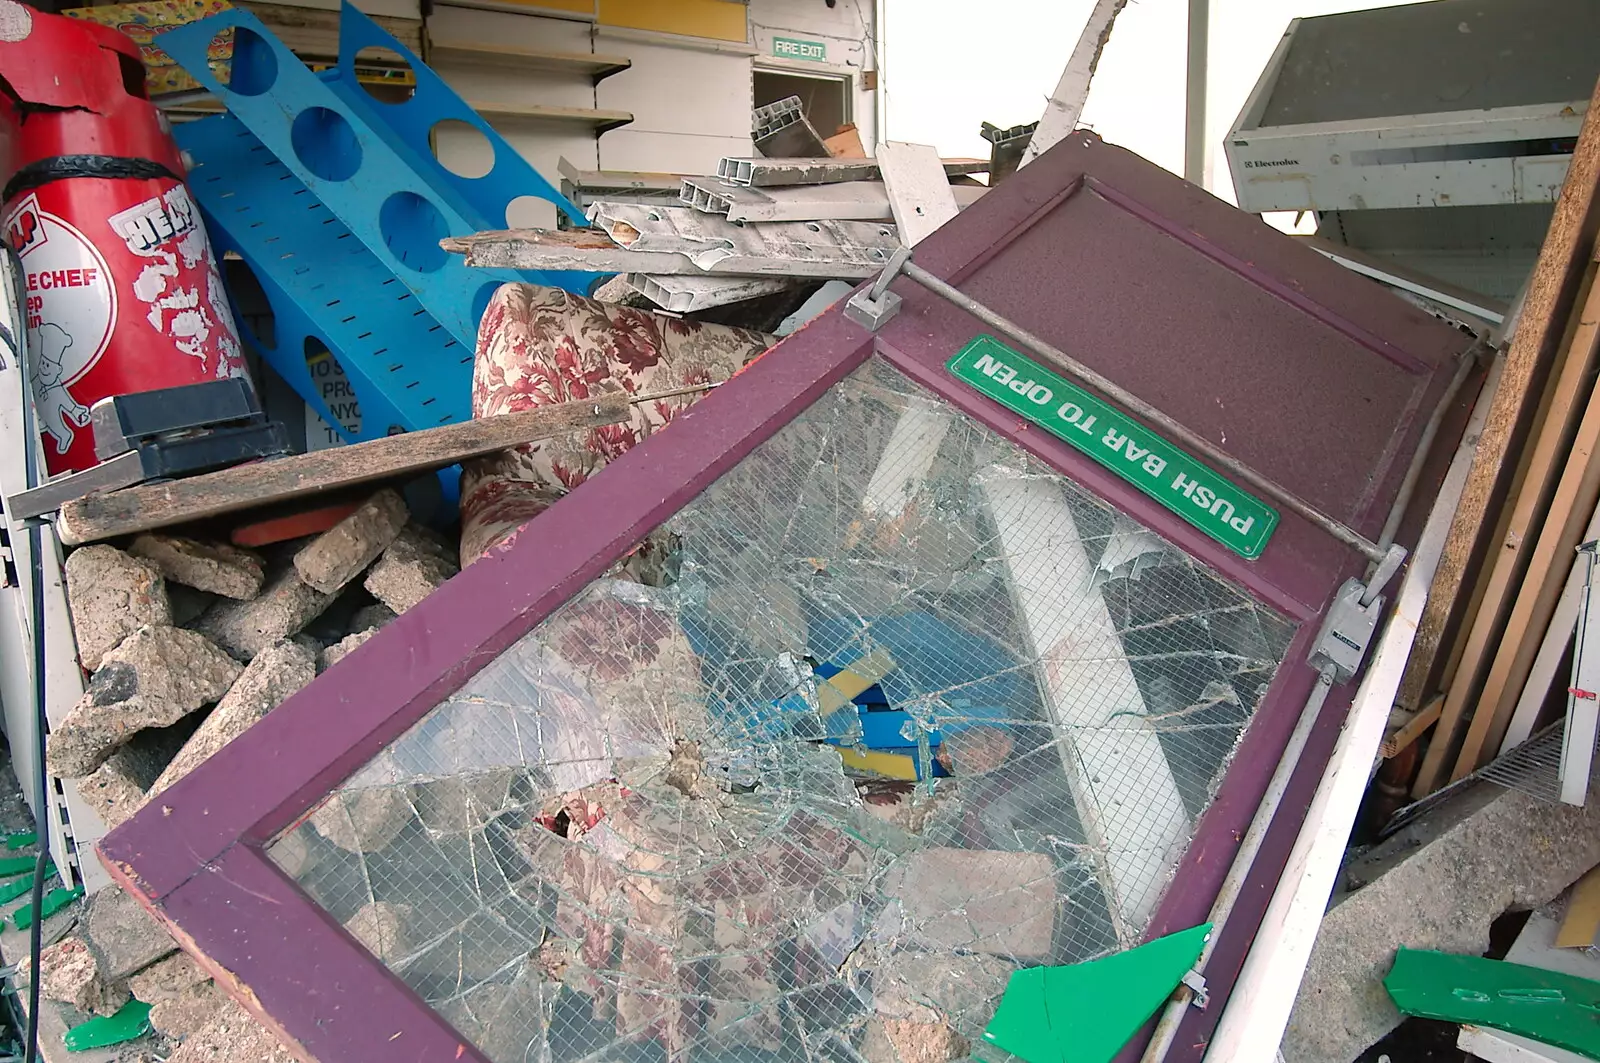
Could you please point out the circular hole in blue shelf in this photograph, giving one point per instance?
(254, 66)
(326, 144)
(412, 228)
(480, 301)
(462, 148)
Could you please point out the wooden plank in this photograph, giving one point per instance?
(1552, 292)
(1552, 648)
(1412, 729)
(1582, 919)
(1065, 105)
(136, 509)
(1534, 603)
(1548, 566)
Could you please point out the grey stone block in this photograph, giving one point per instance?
(1436, 884)
(284, 607)
(154, 679)
(343, 552)
(277, 672)
(111, 596)
(215, 567)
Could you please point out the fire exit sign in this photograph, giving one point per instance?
(793, 48)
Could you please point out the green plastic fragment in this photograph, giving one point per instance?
(21, 841)
(130, 1021)
(1086, 1012)
(12, 890)
(54, 901)
(17, 865)
(1557, 1009)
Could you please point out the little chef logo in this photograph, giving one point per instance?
(71, 305)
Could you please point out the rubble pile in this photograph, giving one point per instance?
(190, 642)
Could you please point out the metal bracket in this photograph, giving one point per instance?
(1197, 986)
(1346, 631)
(873, 308)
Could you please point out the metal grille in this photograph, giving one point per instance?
(647, 827)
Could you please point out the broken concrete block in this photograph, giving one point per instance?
(156, 677)
(124, 936)
(231, 1036)
(168, 978)
(411, 568)
(383, 928)
(370, 616)
(112, 791)
(457, 804)
(294, 854)
(284, 606)
(364, 821)
(343, 552)
(111, 596)
(277, 672)
(903, 1041)
(1437, 883)
(978, 900)
(343, 648)
(187, 1012)
(71, 974)
(215, 567)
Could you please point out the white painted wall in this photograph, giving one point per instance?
(690, 99)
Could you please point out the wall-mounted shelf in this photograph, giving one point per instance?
(595, 66)
(598, 119)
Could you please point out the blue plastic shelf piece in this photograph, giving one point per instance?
(325, 289)
(337, 204)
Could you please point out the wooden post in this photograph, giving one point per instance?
(1551, 294)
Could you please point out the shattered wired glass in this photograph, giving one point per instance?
(657, 826)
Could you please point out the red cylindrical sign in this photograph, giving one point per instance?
(123, 292)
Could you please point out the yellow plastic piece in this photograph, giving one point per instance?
(844, 687)
(889, 765)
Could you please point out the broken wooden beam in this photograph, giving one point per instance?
(160, 505)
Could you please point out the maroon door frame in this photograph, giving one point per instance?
(196, 855)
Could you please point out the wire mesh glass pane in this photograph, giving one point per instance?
(887, 712)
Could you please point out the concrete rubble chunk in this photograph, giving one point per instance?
(72, 975)
(114, 789)
(370, 616)
(168, 978)
(1008, 900)
(231, 1036)
(124, 936)
(384, 928)
(277, 672)
(1437, 883)
(111, 596)
(343, 648)
(284, 607)
(186, 1013)
(215, 567)
(344, 551)
(412, 568)
(364, 821)
(154, 679)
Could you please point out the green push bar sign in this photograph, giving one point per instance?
(1221, 509)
